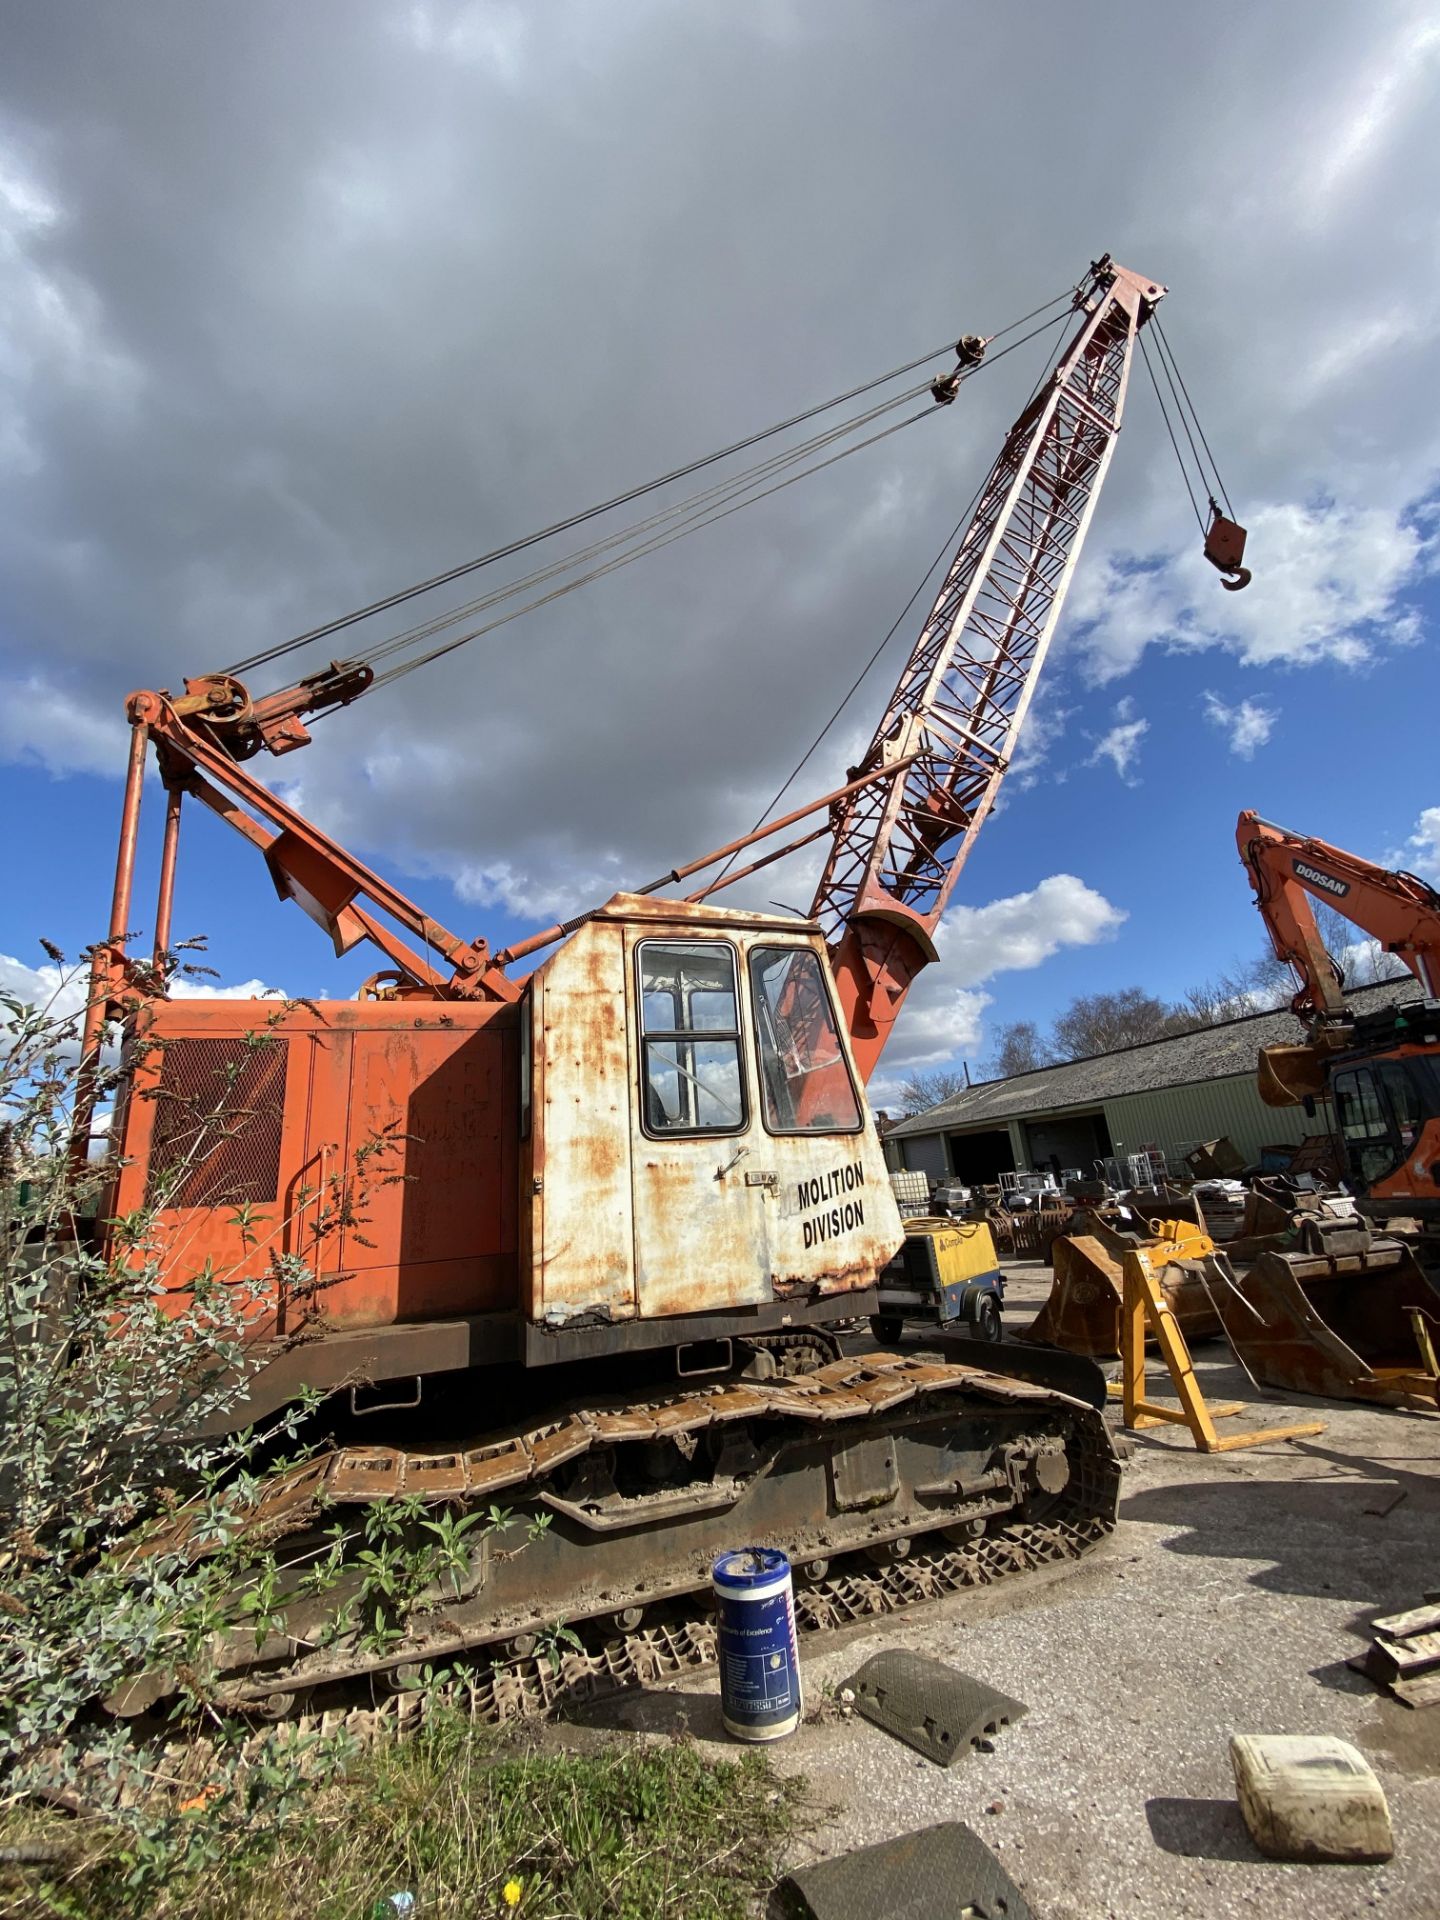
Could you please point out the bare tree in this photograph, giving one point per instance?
(1362, 959)
(1245, 986)
(1100, 1022)
(1020, 1048)
(925, 1090)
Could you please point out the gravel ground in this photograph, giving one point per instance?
(1228, 1601)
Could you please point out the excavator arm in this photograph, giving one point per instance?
(1290, 870)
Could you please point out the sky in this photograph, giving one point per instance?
(301, 304)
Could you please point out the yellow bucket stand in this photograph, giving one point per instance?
(1145, 1305)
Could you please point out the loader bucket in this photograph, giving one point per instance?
(1287, 1075)
(1353, 1326)
(1082, 1314)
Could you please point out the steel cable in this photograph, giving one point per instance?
(704, 515)
(1179, 457)
(693, 506)
(651, 546)
(266, 655)
(1170, 353)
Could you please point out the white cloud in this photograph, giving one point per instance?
(1121, 745)
(1043, 729)
(498, 884)
(62, 990)
(1248, 725)
(1421, 854)
(1327, 585)
(943, 1018)
(51, 326)
(183, 989)
(43, 724)
(1022, 930)
(485, 33)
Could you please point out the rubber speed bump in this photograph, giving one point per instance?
(933, 1707)
(938, 1873)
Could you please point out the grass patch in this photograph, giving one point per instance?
(471, 1828)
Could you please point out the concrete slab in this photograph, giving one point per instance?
(1235, 1589)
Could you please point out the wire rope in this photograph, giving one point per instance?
(706, 516)
(1170, 352)
(1164, 415)
(651, 546)
(693, 505)
(266, 655)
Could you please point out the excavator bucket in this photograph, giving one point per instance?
(1082, 1314)
(1289, 1074)
(1358, 1324)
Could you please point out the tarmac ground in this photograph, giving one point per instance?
(1228, 1600)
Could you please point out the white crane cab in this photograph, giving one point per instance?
(695, 1139)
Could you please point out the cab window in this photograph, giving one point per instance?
(804, 1077)
(690, 1073)
(1405, 1101)
(1369, 1144)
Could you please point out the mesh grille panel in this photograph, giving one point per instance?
(219, 1113)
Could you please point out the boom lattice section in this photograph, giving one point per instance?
(899, 845)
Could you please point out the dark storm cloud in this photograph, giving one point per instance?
(306, 302)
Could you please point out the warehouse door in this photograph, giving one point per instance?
(980, 1158)
(1076, 1141)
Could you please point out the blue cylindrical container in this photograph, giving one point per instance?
(759, 1664)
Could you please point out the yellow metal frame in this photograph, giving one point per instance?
(1144, 1304)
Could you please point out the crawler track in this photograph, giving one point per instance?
(889, 1478)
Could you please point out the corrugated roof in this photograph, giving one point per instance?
(1210, 1053)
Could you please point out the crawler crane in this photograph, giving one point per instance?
(650, 1156)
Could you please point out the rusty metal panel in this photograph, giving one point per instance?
(441, 1242)
(584, 1261)
(432, 1168)
(628, 1218)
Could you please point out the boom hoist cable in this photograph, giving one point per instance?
(222, 705)
(267, 655)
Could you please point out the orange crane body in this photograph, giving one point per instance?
(651, 1158)
(660, 1137)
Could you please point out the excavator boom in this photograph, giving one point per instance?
(1290, 870)
(1380, 1069)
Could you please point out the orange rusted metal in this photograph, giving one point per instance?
(1225, 549)
(376, 1142)
(1339, 1324)
(371, 1140)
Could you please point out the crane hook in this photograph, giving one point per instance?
(1225, 549)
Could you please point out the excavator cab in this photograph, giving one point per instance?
(1387, 1118)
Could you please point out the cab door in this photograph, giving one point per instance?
(700, 1195)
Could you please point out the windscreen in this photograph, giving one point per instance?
(804, 1078)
